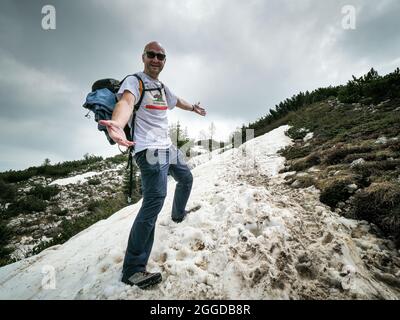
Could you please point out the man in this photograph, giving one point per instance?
(154, 154)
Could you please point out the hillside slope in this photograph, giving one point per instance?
(352, 155)
(251, 237)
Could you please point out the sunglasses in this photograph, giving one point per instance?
(152, 55)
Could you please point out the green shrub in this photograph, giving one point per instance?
(302, 181)
(394, 145)
(4, 256)
(378, 168)
(305, 163)
(120, 158)
(57, 170)
(337, 154)
(5, 236)
(296, 133)
(5, 233)
(334, 191)
(93, 205)
(381, 155)
(7, 191)
(380, 204)
(44, 193)
(372, 86)
(94, 182)
(293, 152)
(59, 212)
(28, 204)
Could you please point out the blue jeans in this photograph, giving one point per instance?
(155, 164)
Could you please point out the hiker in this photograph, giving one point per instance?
(155, 155)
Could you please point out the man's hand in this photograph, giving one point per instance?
(199, 110)
(116, 133)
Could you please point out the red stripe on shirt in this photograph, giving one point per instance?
(156, 107)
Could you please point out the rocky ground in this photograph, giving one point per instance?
(76, 193)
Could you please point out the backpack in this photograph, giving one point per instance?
(102, 100)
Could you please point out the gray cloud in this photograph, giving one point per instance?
(238, 59)
(376, 37)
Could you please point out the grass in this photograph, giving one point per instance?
(380, 204)
(344, 133)
(99, 210)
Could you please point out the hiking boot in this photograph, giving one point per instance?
(178, 220)
(143, 279)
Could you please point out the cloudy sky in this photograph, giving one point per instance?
(239, 58)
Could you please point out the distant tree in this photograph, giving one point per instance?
(212, 129)
(46, 162)
(178, 130)
(178, 136)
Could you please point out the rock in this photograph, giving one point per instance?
(296, 184)
(37, 234)
(383, 102)
(32, 228)
(52, 231)
(14, 223)
(381, 140)
(341, 205)
(352, 187)
(357, 162)
(347, 269)
(357, 233)
(328, 238)
(302, 174)
(308, 136)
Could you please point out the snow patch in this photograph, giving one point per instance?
(80, 178)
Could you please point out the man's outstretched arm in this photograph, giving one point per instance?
(191, 107)
(120, 117)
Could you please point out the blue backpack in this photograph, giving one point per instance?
(102, 100)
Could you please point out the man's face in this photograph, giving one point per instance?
(154, 60)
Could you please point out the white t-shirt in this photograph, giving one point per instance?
(151, 121)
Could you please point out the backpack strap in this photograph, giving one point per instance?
(142, 89)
